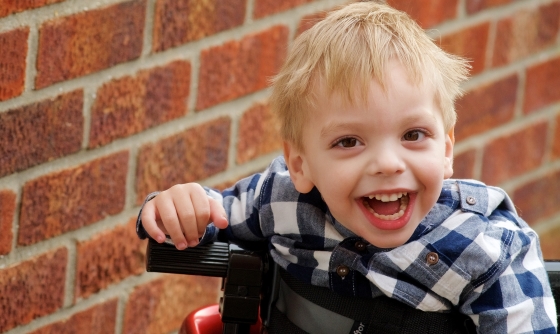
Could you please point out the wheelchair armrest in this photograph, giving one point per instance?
(242, 272)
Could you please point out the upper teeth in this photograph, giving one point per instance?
(388, 197)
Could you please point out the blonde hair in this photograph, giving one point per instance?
(350, 47)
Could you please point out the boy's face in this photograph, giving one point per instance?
(379, 165)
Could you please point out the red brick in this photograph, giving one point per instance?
(41, 132)
(463, 165)
(549, 244)
(470, 43)
(486, 107)
(526, 32)
(132, 104)
(515, 154)
(538, 199)
(310, 20)
(160, 306)
(8, 7)
(267, 7)
(186, 157)
(474, 6)
(13, 52)
(258, 133)
(32, 289)
(7, 211)
(64, 201)
(541, 87)
(108, 258)
(427, 13)
(241, 67)
(84, 43)
(556, 141)
(177, 22)
(99, 319)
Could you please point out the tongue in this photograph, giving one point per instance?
(384, 208)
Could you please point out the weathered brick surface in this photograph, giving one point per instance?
(132, 104)
(240, 67)
(541, 87)
(64, 201)
(8, 7)
(525, 33)
(32, 289)
(556, 141)
(474, 6)
(532, 205)
(180, 21)
(99, 319)
(186, 157)
(549, 244)
(7, 211)
(41, 132)
(514, 154)
(267, 7)
(13, 52)
(470, 43)
(427, 13)
(463, 165)
(486, 107)
(108, 258)
(160, 306)
(84, 43)
(258, 133)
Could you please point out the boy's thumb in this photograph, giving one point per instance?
(218, 214)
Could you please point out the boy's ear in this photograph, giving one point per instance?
(296, 166)
(448, 160)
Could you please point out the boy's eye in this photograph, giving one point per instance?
(413, 135)
(347, 142)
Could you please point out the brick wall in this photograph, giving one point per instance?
(104, 101)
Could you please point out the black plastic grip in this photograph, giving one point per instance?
(206, 260)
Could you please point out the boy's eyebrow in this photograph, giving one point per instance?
(416, 117)
(337, 127)
(349, 126)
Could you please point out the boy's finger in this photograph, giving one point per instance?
(186, 213)
(168, 215)
(217, 214)
(202, 207)
(149, 222)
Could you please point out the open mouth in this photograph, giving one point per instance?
(387, 206)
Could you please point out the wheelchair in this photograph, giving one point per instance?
(252, 284)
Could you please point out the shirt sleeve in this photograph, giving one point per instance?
(518, 297)
(242, 204)
(140, 231)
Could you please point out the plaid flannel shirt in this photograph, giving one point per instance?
(471, 252)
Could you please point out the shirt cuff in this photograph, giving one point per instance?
(140, 231)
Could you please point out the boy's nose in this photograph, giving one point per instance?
(387, 161)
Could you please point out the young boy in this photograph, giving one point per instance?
(361, 202)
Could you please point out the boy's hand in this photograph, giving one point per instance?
(182, 212)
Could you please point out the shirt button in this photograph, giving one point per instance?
(471, 200)
(360, 246)
(342, 271)
(432, 258)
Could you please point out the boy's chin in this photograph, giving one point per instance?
(389, 241)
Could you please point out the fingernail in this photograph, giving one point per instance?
(193, 243)
(182, 246)
(160, 239)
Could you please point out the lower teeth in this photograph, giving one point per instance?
(402, 209)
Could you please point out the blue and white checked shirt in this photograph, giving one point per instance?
(488, 264)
